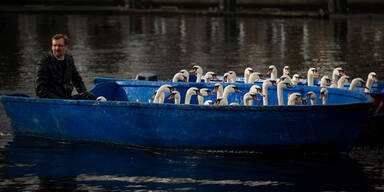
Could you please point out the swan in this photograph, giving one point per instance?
(199, 72)
(247, 72)
(256, 89)
(204, 92)
(179, 77)
(218, 101)
(185, 73)
(210, 75)
(159, 94)
(310, 75)
(267, 83)
(344, 79)
(255, 76)
(325, 80)
(357, 82)
(335, 76)
(208, 102)
(176, 96)
(101, 98)
(286, 70)
(227, 78)
(191, 91)
(273, 71)
(295, 99)
(371, 78)
(324, 95)
(234, 77)
(219, 89)
(249, 97)
(312, 96)
(295, 79)
(227, 90)
(280, 86)
(283, 77)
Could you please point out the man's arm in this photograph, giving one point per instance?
(42, 81)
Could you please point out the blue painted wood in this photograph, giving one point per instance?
(128, 118)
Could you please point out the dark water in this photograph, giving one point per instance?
(122, 46)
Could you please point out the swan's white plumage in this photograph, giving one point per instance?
(247, 72)
(267, 83)
(272, 70)
(324, 95)
(294, 99)
(371, 78)
(325, 80)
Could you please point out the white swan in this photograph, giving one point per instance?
(234, 77)
(185, 73)
(335, 76)
(208, 102)
(325, 80)
(199, 72)
(204, 92)
(324, 95)
(256, 89)
(285, 77)
(210, 75)
(272, 70)
(344, 79)
(176, 96)
(249, 97)
(227, 90)
(295, 79)
(357, 82)
(227, 78)
(371, 78)
(255, 76)
(247, 72)
(295, 99)
(219, 89)
(312, 96)
(159, 94)
(179, 77)
(280, 86)
(191, 91)
(312, 72)
(101, 98)
(267, 83)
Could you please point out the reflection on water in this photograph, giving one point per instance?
(46, 165)
(125, 45)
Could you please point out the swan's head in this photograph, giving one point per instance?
(196, 69)
(372, 76)
(313, 71)
(251, 95)
(218, 100)
(284, 78)
(270, 82)
(296, 77)
(206, 92)
(286, 70)
(271, 69)
(208, 102)
(227, 77)
(326, 79)
(211, 75)
(256, 89)
(338, 71)
(295, 99)
(174, 95)
(359, 82)
(285, 82)
(233, 75)
(231, 88)
(194, 91)
(248, 71)
(323, 93)
(101, 98)
(184, 72)
(311, 95)
(217, 87)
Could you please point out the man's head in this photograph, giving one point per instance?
(59, 45)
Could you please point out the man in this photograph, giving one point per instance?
(57, 73)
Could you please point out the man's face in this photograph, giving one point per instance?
(59, 48)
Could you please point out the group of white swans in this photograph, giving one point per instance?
(339, 79)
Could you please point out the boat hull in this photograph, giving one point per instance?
(189, 126)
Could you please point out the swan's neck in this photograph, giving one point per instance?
(335, 78)
(247, 101)
(274, 75)
(265, 93)
(200, 99)
(219, 92)
(159, 97)
(313, 101)
(188, 98)
(323, 83)
(246, 78)
(340, 83)
(198, 80)
(310, 79)
(369, 85)
(225, 98)
(325, 99)
(207, 79)
(280, 93)
(353, 85)
(253, 78)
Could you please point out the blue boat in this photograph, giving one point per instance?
(129, 118)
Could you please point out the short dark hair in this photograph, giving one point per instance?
(61, 36)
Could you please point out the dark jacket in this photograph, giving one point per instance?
(56, 80)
